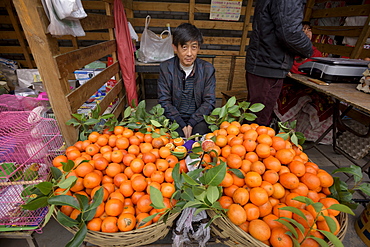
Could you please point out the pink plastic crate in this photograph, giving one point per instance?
(27, 142)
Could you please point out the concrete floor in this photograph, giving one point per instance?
(54, 235)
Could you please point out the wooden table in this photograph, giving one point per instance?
(342, 93)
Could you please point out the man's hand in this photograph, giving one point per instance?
(187, 131)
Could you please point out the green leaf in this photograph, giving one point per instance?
(79, 236)
(193, 204)
(289, 226)
(249, 116)
(127, 112)
(233, 109)
(45, 187)
(256, 107)
(189, 180)
(331, 223)
(198, 190)
(353, 169)
(187, 195)
(155, 123)
(61, 200)
(83, 201)
(89, 214)
(56, 173)
(177, 176)
(303, 199)
(215, 175)
(198, 211)
(78, 116)
(107, 116)
(292, 221)
(365, 188)
(322, 242)
(68, 166)
(48, 215)
(342, 208)
(38, 202)
(97, 199)
(223, 111)
(317, 206)
(213, 194)
(294, 210)
(237, 172)
(230, 102)
(334, 239)
(91, 121)
(294, 139)
(285, 136)
(65, 220)
(157, 198)
(73, 122)
(68, 182)
(216, 111)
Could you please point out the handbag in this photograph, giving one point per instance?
(154, 48)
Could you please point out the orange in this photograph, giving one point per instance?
(241, 196)
(133, 149)
(238, 149)
(236, 214)
(306, 223)
(178, 141)
(226, 151)
(258, 196)
(118, 179)
(157, 142)
(229, 191)
(104, 149)
(113, 169)
(91, 149)
(139, 220)
(297, 167)
(322, 213)
(285, 156)
(232, 130)
(161, 164)
(322, 225)
(265, 209)
(234, 161)
(225, 201)
(113, 207)
(172, 160)
(167, 189)
(289, 200)
(258, 167)
(74, 214)
(251, 156)
(117, 156)
(227, 181)
(143, 204)
(126, 188)
(263, 150)
(91, 180)
(102, 140)
(139, 183)
(153, 184)
(271, 176)
(250, 134)
(79, 185)
(93, 136)
(116, 195)
(164, 152)
(234, 140)
(57, 161)
(326, 180)
(281, 212)
(118, 130)
(279, 191)
(289, 180)
(83, 169)
(268, 187)
(327, 202)
(94, 224)
(246, 166)
(265, 139)
(221, 140)
(259, 230)
(126, 222)
(74, 154)
(253, 179)
(67, 210)
(279, 238)
(270, 220)
(137, 165)
(237, 180)
(249, 145)
(252, 211)
(109, 224)
(101, 163)
(168, 175)
(224, 125)
(157, 176)
(311, 180)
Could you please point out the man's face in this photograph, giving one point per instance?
(307, 30)
(187, 53)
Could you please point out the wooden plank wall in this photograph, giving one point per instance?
(226, 40)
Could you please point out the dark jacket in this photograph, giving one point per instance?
(277, 37)
(170, 85)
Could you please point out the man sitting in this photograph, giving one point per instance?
(186, 84)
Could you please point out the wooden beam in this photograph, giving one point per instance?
(77, 97)
(19, 34)
(42, 49)
(308, 11)
(350, 31)
(111, 95)
(223, 25)
(69, 62)
(365, 34)
(191, 11)
(129, 9)
(97, 22)
(150, 6)
(246, 27)
(334, 49)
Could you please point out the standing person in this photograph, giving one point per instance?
(276, 38)
(186, 84)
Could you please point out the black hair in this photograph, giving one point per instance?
(186, 32)
(306, 23)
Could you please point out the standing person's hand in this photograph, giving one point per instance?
(187, 131)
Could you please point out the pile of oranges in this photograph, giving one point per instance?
(126, 164)
(275, 171)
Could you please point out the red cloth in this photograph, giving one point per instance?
(294, 69)
(125, 51)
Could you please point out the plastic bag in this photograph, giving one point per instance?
(58, 27)
(69, 9)
(154, 48)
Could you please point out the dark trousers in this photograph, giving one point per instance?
(266, 91)
(201, 129)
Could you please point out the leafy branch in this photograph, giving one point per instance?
(340, 190)
(44, 194)
(288, 131)
(294, 226)
(233, 112)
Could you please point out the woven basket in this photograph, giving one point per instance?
(228, 233)
(142, 236)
